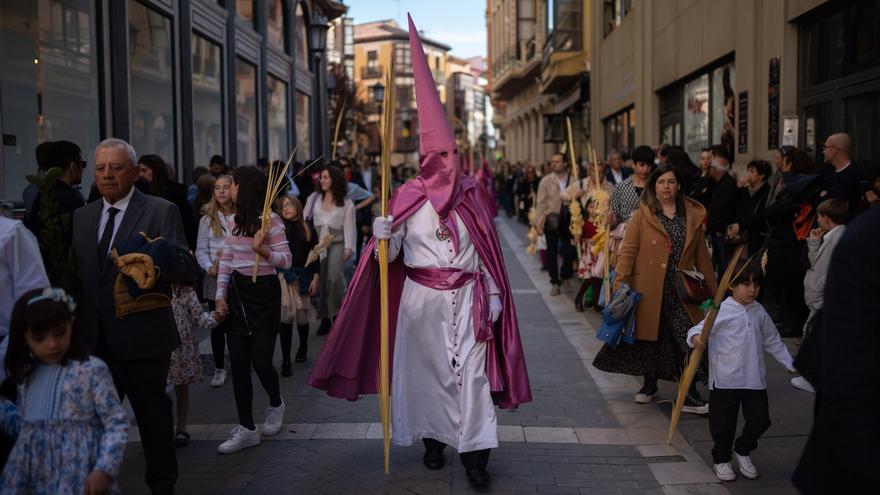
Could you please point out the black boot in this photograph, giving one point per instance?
(434, 458)
(475, 467)
(324, 329)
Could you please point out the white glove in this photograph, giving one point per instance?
(494, 307)
(382, 227)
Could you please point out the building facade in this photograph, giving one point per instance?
(539, 54)
(469, 106)
(749, 75)
(184, 79)
(376, 44)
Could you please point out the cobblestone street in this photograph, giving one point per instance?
(581, 434)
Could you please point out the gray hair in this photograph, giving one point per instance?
(614, 151)
(119, 143)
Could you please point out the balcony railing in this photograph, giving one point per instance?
(372, 72)
(513, 57)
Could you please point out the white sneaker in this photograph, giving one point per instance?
(745, 466)
(801, 383)
(219, 378)
(274, 420)
(724, 472)
(554, 290)
(239, 438)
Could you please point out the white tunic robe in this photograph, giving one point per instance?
(439, 387)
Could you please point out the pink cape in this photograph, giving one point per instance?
(348, 364)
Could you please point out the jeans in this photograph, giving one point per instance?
(559, 246)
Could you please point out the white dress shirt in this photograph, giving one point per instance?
(120, 205)
(739, 339)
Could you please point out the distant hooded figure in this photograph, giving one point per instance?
(453, 329)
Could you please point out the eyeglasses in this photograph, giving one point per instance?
(826, 146)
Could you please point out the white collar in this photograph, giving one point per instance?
(731, 301)
(120, 205)
(844, 167)
(828, 234)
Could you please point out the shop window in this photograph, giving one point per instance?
(303, 111)
(246, 112)
(207, 108)
(300, 27)
(275, 23)
(862, 124)
(244, 9)
(620, 130)
(48, 84)
(724, 107)
(277, 113)
(841, 44)
(696, 116)
(151, 66)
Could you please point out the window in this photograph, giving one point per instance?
(275, 23)
(723, 99)
(207, 105)
(613, 13)
(245, 10)
(841, 44)
(246, 112)
(303, 111)
(402, 59)
(862, 122)
(151, 66)
(565, 32)
(620, 130)
(48, 84)
(301, 35)
(696, 116)
(277, 108)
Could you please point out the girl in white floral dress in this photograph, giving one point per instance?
(186, 360)
(69, 426)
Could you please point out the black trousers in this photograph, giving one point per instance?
(256, 350)
(143, 382)
(475, 458)
(287, 339)
(723, 416)
(559, 246)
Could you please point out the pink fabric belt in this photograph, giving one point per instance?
(452, 279)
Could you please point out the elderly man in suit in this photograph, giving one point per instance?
(137, 348)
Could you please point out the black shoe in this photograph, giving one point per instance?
(477, 476)
(324, 329)
(181, 439)
(286, 369)
(646, 394)
(434, 460)
(301, 355)
(694, 404)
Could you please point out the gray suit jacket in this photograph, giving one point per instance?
(139, 335)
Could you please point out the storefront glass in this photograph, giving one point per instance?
(48, 84)
(277, 113)
(207, 86)
(151, 66)
(696, 116)
(303, 110)
(863, 124)
(246, 112)
(275, 23)
(724, 107)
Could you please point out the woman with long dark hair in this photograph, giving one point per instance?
(664, 238)
(154, 170)
(253, 307)
(333, 214)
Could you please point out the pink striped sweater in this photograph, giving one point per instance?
(238, 255)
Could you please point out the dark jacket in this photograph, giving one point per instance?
(750, 216)
(67, 200)
(841, 454)
(175, 192)
(143, 335)
(843, 185)
(722, 208)
(701, 190)
(625, 172)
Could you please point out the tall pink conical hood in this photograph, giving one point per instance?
(438, 160)
(434, 131)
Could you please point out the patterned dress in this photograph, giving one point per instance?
(186, 362)
(666, 357)
(68, 422)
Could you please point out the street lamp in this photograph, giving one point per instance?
(378, 94)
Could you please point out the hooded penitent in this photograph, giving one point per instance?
(348, 364)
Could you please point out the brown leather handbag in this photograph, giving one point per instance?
(690, 285)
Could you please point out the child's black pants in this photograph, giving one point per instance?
(724, 405)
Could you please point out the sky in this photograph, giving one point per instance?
(460, 24)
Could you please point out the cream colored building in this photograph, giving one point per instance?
(375, 44)
(749, 74)
(539, 59)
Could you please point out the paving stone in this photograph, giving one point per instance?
(553, 435)
(681, 473)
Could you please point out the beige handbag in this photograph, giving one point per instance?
(288, 302)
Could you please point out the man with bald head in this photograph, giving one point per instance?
(842, 176)
(138, 348)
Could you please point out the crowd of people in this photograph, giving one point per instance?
(213, 267)
(672, 229)
(108, 290)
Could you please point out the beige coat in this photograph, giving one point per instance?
(641, 263)
(548, 197)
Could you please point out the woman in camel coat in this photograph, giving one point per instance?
(664, 234)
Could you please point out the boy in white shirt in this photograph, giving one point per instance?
(743, 331)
